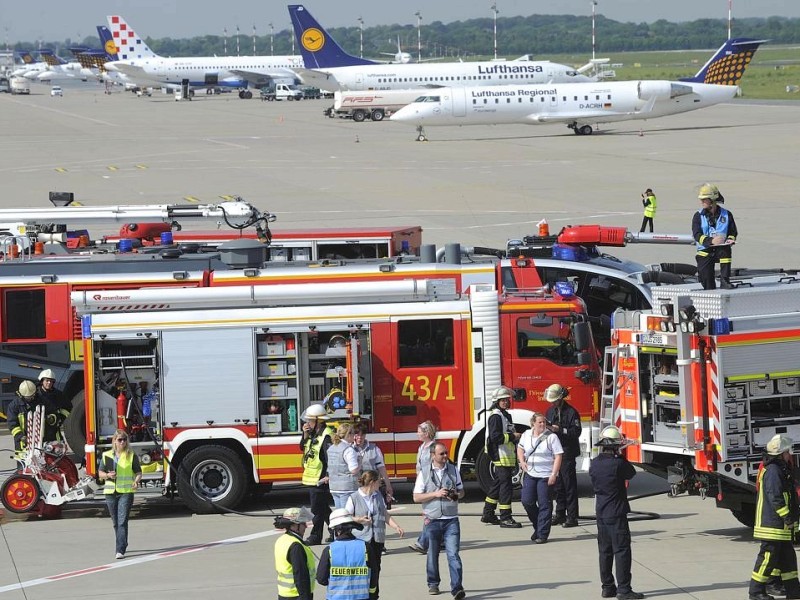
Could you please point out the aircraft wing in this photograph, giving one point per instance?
(260, 78)
(139, 76)
(592, 115)
(321, 79)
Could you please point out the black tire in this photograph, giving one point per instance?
(212, 474)
(746, 515)
(377, 114)
(359, 115)
(20, 494)
(241, 95)
(248, 95)
(74, 427)
(586, 130)
(484, 471)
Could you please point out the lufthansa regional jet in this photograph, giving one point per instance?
(329, 67)
(579, 105)
(148, 69)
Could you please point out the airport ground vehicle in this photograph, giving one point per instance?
(4, 86)
(374, 105)
(56, 90)
(19, 85)
(400, 341)
(702, 382)
(281, 91)
(310, 92)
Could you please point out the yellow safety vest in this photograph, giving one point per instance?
(283, 567)
(650, 209)
(312, 463)
(123, 484)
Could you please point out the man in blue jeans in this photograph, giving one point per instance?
(439, 488)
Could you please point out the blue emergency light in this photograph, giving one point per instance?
(564, 289)
(571, 253)
(719, 326)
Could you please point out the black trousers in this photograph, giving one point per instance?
(499, 495)
(320, 500)
(705, 266)
(567, 489)
(775, 556)
(645, 221)
(614, 545)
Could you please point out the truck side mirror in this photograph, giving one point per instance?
(584, 359)
(583, 336)
(520, 395)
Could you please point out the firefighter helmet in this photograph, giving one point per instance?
(555, 392)
(501, 393)
(27, 389)
(47, 374)
(778, 445)
(298, 515)
(315, 412)
(708, 191)
(611, 436)
(337, 341)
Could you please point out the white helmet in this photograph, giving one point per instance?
(47, 374)
(27, 389)
(555, 392)
(315, 412)
(340, 517)
(298, 515)
(611, 436)
(778, 445)
(502, 392)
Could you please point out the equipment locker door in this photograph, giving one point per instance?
(208, 379)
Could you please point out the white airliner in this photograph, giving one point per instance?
(148, 69)
(329, 67)
(580, 105)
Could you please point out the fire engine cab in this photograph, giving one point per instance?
(215, 379)
(703, 381)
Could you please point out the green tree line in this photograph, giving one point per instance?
(538, 35)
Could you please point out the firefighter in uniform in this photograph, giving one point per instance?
(609, 473)
(48, 392)
(714, 230)
(294, 561)
(777, 514)
(346, 566)
(317, 437)
(565, 422)
(26, 401)
(650, 205)
(501, 446)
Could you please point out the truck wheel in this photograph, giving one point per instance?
(359, 115)
(212, 474)
(20, 493)
(484, 471)
(377, 114)
(746, 515)
(75, 426)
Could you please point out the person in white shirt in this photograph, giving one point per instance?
(539, 454)
(343, 465)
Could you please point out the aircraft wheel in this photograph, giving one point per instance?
(421, 138)
(248, 95)
(586, 130)
(241, 95)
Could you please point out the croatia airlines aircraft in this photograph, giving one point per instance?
(148, 69)
(581, 104)
(329, 67)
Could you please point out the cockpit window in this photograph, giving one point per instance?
(428, 99)
(572, 73)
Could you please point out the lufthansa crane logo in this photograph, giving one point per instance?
(313, 39)
(111, 47)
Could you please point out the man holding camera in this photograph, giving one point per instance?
(438, 489)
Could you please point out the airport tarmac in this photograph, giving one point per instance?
(683, 548)
(474, 185)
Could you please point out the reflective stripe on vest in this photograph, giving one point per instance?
(439, 507)
(650, 209)
(719, 228)
(376, 528)
(341, 479)
(312, 463)
(283, 567)
(506, 452)
(349, 576)
(123, 483)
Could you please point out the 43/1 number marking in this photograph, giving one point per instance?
(423, 388)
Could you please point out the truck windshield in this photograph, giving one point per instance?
(547, 336)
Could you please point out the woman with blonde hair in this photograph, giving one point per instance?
(120, 469)
(343, 465)
(369, 509)
(426, 434)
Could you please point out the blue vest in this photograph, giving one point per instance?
(719, 228)
(349, 576)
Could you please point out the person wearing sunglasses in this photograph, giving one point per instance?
(122, 473)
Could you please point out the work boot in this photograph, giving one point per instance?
(570, 523)
(490, 519)
(509, 523)
(724, 284)
(559, 519)
(608, 592)
(630, 596)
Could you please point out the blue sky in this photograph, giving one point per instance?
(59, 19)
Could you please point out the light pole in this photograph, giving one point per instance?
(594, 4)
(254, 39)
(271, 39)
(291, 35)
(237, 40)
(360, 37)
(419, 35)
(495, 11)
(730, 11)
(225, 39)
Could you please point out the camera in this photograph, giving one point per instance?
(452, 494)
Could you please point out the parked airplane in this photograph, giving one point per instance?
(58, 68)
(148, 69)
(329, 67)
(30, 66)
(581, 104)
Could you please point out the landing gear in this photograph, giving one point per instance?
(421, 134)
(580, 129)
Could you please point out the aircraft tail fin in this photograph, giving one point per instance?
(26, 57)
(728, 64)
(50, 57)
(128, 44)
(319, 49)
(109, 46)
